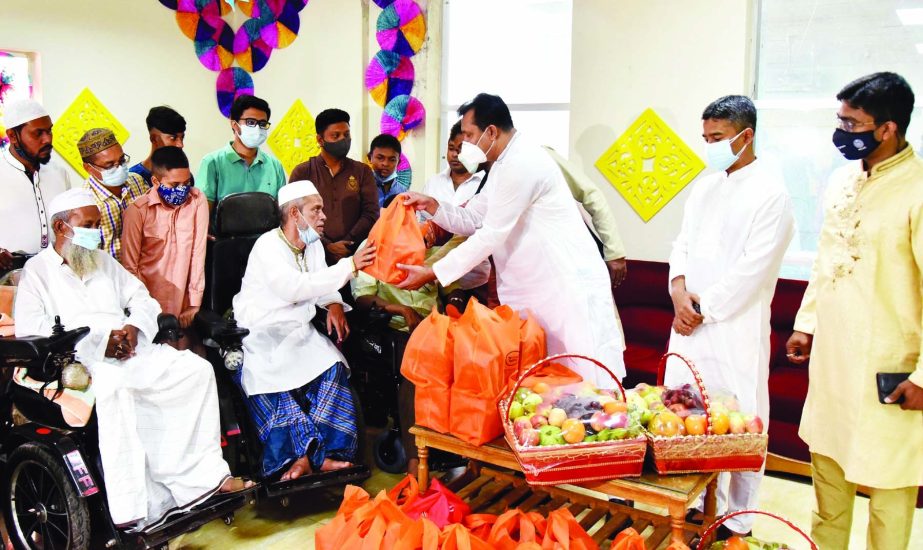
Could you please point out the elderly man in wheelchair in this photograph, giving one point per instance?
(156, 407)
(294, 378)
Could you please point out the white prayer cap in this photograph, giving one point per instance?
(21, 111)
(296, 190)
(71, 200)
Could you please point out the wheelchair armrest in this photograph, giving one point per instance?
(224, 332)
(168, 329)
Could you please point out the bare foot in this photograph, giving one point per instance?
(297, 469)
(330, 465)
(235, 484)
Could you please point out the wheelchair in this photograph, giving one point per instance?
(240, 219)
(53, 494)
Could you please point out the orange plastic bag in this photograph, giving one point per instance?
(438, 504)
(480, 524)
(399, 240)
(514, 528)
(328, 537)
(428, 364)
(629, 539)
(486, 357)
(458, 537)
(554, 374)
(564, 532)
(418, 535)
(532, 346)
(375, 524)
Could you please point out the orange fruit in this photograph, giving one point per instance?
(612, 407)
(695, 424)
(541, 387)
(573, 431)
(666, 424)
(720, 423)
(736, 543)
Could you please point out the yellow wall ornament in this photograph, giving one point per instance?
(84, 113)
(649, 164)
(293, 138)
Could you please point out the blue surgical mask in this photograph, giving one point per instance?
(381, 181)
(720, 155)
(174, 196)
(86, 237)
(307, 235)
(115, 176)
(252, 136)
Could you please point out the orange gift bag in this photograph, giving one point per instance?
(532, 346)
(514, 528)
(457, 537)
(629, 539)
(428, 364)
(486, 357)
(360, 525)
(399, 240)
(563, 531)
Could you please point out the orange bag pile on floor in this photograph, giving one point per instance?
(460, 367)
(398, 238)
(383, 523)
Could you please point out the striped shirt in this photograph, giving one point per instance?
(111, 209)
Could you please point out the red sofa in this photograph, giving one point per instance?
(647, 315)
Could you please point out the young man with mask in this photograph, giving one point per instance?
(526, 217)
(724, 266)
(165, 128)
(347, 186)
(384, 154)
(455, 185)
(861, 315)
(28, 180)
(241, 166)
(163, 240)
(110, 181)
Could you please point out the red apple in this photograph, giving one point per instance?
(618, 420)
(544, 408)
(520, 424)
(599, 421)
(538, 421)
(754, 424)
(680, 410)
(529, 437)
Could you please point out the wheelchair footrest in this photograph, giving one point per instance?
(352, 475)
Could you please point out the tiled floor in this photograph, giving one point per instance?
(269, 526)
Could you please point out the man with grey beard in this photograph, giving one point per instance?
(157, 407)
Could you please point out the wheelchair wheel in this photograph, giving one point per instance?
(389, 452)
(42, 509)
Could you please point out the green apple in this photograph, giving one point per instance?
(516, 410)
(531, 401)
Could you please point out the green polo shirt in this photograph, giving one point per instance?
(223, 173)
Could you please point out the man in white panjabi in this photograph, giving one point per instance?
(157, 407)
(736, 227)
(295, 379)
(526, 217)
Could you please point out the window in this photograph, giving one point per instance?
(809, 50)
(517, 49)
(17, 80)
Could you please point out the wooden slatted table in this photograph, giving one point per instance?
(492, 491)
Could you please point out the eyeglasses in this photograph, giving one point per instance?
(851, 125)
(125, 159)
(252, 122)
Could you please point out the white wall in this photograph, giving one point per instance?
(133, 56)
(674, 56)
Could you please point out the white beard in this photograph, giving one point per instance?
(81, 260)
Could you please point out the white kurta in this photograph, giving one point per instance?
(545, 258)
(442, 188)
(23, 218)
(278, 298)
(734, 234)
(159, 434)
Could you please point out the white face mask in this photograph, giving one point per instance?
(719, 154)
(471, 156)
(115, 176)
(252, 136)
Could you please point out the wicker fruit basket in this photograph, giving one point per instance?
(576, 462)
(706, 544)
(744, 452)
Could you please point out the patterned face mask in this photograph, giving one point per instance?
(174, 196)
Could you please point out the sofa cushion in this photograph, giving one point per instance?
(788, 388)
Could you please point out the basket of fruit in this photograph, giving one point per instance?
(748, 543)
(692, 432)
(571, 431)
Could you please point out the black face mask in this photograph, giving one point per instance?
(855, 145)
(31, 159)
(338, 149)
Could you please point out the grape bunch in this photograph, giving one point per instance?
(578, 407)
(682, 396)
